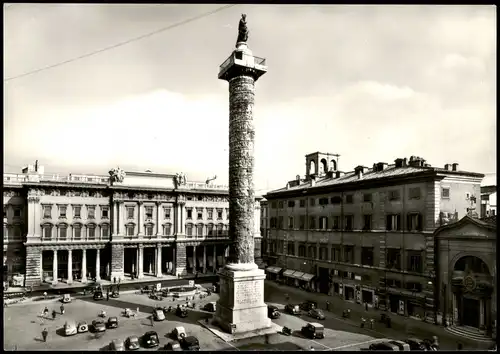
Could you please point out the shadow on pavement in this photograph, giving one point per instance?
(36, 339)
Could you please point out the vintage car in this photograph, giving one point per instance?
(99, 325)
(181, 312)
(416, 344)
(113, 322)
(173, 346)
(385, 346)
(83, 327)
(115, 294)
(132, 343)
(156, 297)
(158, 314)
(402, 346)
(178, 333)
(150, 339)
(308, 305)
(292, 309)
(313, 331)
(70, 328)
(98, 295)
(66, 298)
(117, 345)
(129, 313)
(190, 343)
(210, 307)
(273, 312)
(316, 313)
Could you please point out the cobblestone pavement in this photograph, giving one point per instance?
(402, 327)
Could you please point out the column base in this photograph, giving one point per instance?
(241, 307)
(69, 281)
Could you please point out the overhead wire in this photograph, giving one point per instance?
(163, 29)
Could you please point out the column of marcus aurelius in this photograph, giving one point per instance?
(241, 310)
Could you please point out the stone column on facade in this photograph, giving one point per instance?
(195, 259)
(140, 266)
(115, 218)
(34, 269)
(121, 218)
(140, 218)
(159, 249)
(54, 269)
(174, 263)
(84, 266)
(204, 259)
(180, 259)
(98, 265)
(215, 259)
(159, 218)
(117, 261)
(70, 267)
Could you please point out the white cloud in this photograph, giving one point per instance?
(457, 61)
(384, 91)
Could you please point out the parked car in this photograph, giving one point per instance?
(181, 312)
(178, 333)
(416, 344)
(173, 346)
(83, 327)
(98, 295)
(383, 346)
(150, 339)
(316, 313)
(117, 345)
(132, 343)
(402, 346)
(313, 331)
(113, 322)
(99, 325)
(156, 297)
(210, 307)
(66, 298)
(158, 314)
(70, 328)
(273, 312)
(115, 294)
(292, 309)
(190, 343)
(308, 305)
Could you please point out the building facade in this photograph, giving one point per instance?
(132, 224)
(488, 201)
(466, 275)
(367, 235)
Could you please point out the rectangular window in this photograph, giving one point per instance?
(367, 256)
(323, 223)
(189, 214)
(415, 193)
(219, 230)
(302, 251)
(280, 222)
(312, 202)
(291, 203)
(199, 215)
(149, 230)
(167, 230)
(47, 232)
(167, 212)
(91, 212)
(414, 222)
(445, 193)
(17, 212)
(273, 205)
(336, 222)
(367, 224)
(62, 232)
(47, 211)
(336, 253)
(77, 232)
(189, 230)
(393, 222)
(312, 223)
(199, 230)
(393, 258)
(349, 198)
(149, 212)
(17, 232)
(62, 211)
(323, 253)
(219, 214)
(291, 249)
(323, 201)
(349, 221)
(130, 212)
(273, 222)
(394, 195)
(290, 222)
(367, 197)
(302, 222)
(280, 204)
(336, 200)
(348, 254)
(104, 212)
(77, 212)
(302, 203)
(210, 214)
(210, 230)
(414, 261)
(105, 231)
(130, 230)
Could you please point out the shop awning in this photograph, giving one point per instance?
(307, 277)
(288, 272)
(297, 275)
(274, 270)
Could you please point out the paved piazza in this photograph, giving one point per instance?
(23, 327)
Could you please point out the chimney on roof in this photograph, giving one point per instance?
(288, 186)
(379, 166)
(417, 161)
(360, 170)
(447, 167)
(339, 174)
(330, 174)
(400, 162)
(427, 165)
(455, 166)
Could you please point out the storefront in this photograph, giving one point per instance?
(272, 272)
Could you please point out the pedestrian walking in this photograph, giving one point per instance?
(107, 296)
(328, 306)
(45, 295)
(460, 346)
(137, 310)
(46, 311)
(45, 333)
(372, 322)
(62, 309)
(152, 321)
(366, 306)
(54, 314)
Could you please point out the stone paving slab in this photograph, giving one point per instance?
(239, 336)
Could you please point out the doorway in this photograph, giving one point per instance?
(470, 312)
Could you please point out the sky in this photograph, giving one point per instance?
(371, 83)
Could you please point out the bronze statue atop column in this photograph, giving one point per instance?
(242, 29)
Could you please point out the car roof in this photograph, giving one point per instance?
(133, 337)
(180, 328)
(317, 325)
(191, 339)
(117, 341)
(151, 333)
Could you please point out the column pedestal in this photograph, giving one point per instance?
(241, 307)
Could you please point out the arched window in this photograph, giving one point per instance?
(210, 230)
(199, 230)
(189, 230)
(105, 230)
(63, 231)
(167, 229)
(220, 228)
(312, 167)
(77, 232)
(333, 165)
(149, 229)
(130, 227)
(47, 231)
(324, 166)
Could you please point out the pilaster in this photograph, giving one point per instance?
(140, 218)
(54, 269)
(159, 219)
(70, 267)
(140, 266)
(115, 218)
(98, 265)
(159, 249)
(84, 266)
(204, 259)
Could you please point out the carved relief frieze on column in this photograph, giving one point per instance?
(117, 261)
(98, 265)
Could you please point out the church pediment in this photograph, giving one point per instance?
(467, 228)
